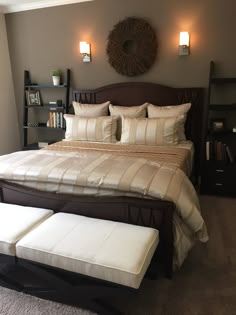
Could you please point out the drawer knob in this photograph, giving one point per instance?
(220, 171)
(219, 184)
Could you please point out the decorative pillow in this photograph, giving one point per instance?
(127, 111)
(99, 129)
(155, 111)
(151, 131)
(91, 110)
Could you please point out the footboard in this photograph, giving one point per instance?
(145, 212)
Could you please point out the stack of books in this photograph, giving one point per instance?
(56, 119)
(218, 151)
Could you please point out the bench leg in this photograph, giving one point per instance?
(7, 277)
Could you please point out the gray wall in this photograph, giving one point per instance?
(43, 39)
(9, 128)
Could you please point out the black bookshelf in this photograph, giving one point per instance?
(58, 124)
(219, 167)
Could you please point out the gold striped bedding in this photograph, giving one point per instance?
(180, 155)
(143, 173)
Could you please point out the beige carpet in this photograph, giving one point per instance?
(16, 303)
(205, 285)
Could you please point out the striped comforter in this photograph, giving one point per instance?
(112, 169)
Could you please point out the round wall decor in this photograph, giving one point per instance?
(132, 46)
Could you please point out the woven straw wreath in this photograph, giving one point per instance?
(132, 46)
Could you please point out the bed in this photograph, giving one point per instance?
(132, 207)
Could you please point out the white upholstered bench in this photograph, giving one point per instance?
(81, 259)
(17, 221)
(111, 251)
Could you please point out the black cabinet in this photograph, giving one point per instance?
(219, 168)
(219, 178)
(44, 106)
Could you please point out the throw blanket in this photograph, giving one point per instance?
(180, 155)
(95, 172)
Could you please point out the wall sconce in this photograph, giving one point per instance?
(85, 51)
(183, 43)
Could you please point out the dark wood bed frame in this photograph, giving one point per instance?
(153, 213)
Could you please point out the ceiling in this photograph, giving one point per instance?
(7, 6)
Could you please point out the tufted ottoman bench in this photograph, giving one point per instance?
(107, 250)
(116, 253)
(72, 258)
(15, 222)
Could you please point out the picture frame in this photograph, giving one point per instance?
(33, 98)
(218, 125)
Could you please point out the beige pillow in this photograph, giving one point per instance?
(155, 111)
(98, 129)
(151, 131)
(127, 111)
(90, 110)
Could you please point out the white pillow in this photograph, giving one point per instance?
(127, 111)
(151, 131)
(155, 111)
(90, 110)
(98, 129)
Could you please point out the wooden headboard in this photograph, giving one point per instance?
(137, 93)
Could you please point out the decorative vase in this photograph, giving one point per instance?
(56, 80)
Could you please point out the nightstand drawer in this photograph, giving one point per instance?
(218, 188)
(218, 178)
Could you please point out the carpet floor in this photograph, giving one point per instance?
(205, 285)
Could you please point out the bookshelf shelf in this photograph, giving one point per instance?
(223, 80)
(46, 85)
(43, 127)
(45, 107)
(222, 107)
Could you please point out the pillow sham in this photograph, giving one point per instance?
(155, 111)
(90, 110)
(151, 131)
(127, 111)
(98, 129)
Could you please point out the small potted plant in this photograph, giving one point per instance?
(56, 77)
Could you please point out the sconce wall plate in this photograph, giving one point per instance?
(86, 58)
(183, 50)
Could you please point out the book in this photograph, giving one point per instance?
(44, 143)
(208, 150)
(51, 119)
(54, 119)
(55, 108)
(61, 120)
(218, 150)
(224, 155)
(212, 150)
(229, 154)
(57, 120)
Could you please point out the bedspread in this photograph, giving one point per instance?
(99, 172)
